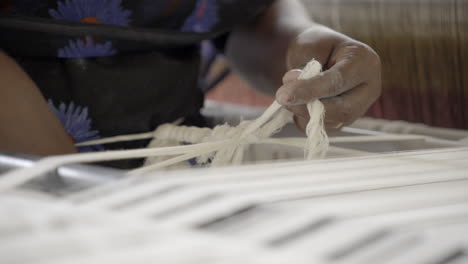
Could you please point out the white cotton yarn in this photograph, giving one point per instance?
(223, 145)
(238, 138)
(317, 138)
(249, 132)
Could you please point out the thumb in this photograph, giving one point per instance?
(283, 95)
(291, 75)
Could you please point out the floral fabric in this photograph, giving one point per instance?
(99, 85)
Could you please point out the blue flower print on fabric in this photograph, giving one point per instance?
(203, 18)
(92, 11)
(76, 122)
(208, 50)
(86, 48)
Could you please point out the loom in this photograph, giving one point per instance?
(387, 192)
(389, 198)
(422, 45)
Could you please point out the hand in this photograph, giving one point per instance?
(349, 84)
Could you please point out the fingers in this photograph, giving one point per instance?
(330, 125)
(299, 110)
(301, 123)
(347, 88)
(332, 82)
(346, 108)
(340, 110)
(348, 71)
(291, 75)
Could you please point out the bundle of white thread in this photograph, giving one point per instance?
(248, 132)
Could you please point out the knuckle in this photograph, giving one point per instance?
(372, 57)
(356, 49)
(365, 51)
(361, 48)
(374, 65)
(374, 60)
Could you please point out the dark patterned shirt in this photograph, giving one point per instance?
(110, 67)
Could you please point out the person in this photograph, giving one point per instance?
(75, 70)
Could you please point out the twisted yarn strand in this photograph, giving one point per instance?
(223, 144)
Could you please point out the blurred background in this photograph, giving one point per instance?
(423, 46)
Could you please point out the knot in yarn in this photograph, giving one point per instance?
(237, 138)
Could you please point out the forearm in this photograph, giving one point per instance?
(27, 125)
(258, 50)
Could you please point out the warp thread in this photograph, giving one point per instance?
(223, 144)
(237, 138)
(248, 132)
